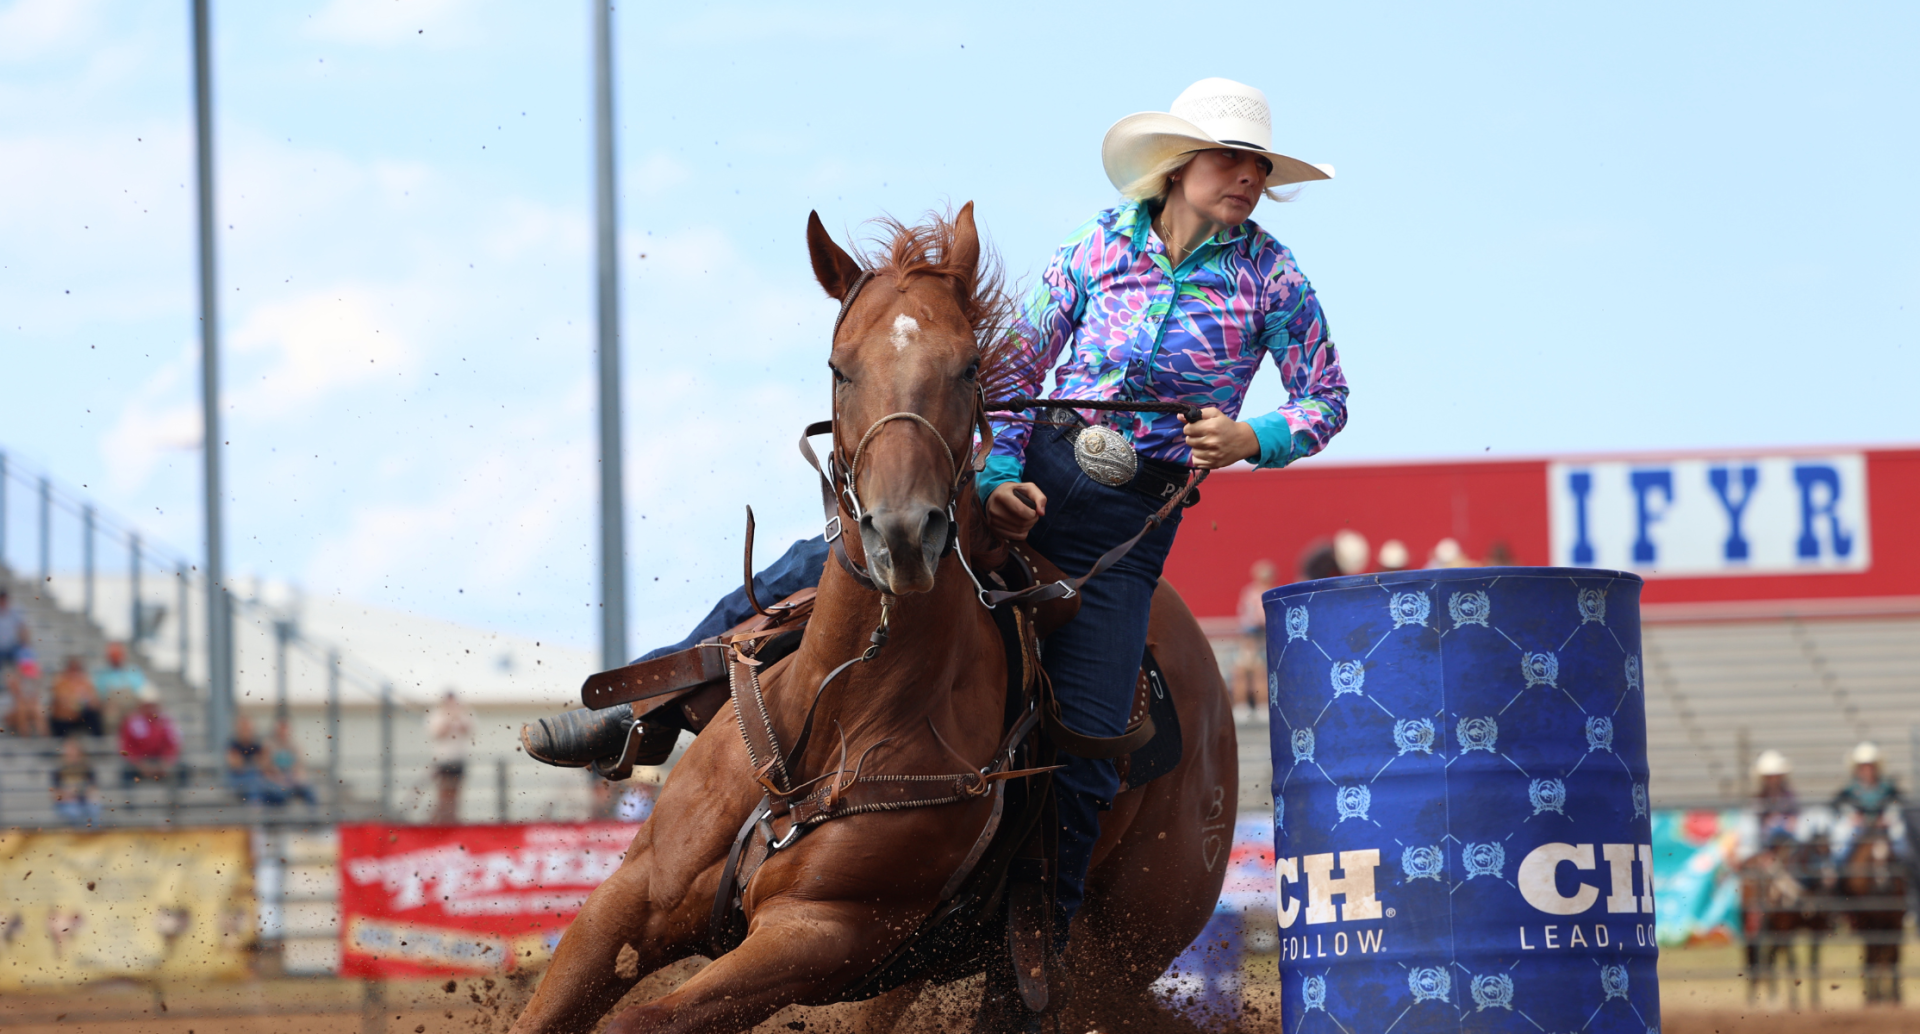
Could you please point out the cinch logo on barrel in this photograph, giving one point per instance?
(1537, 879)
(1355, 886)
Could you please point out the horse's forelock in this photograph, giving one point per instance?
(906, 252)
(1009, 366)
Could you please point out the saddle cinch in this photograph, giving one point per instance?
(1005, 886)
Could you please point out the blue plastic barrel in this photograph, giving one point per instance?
(1460, 802)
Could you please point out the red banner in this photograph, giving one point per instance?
(435, 900)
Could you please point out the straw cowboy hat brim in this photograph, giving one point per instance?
(1138, 143)
(1209, 114)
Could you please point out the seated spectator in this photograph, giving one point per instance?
(286, 773)
(149, 741)
(28, 714)
(14, 634)
(76, 704)
(247, 766)
(119, 683)
(74, 785)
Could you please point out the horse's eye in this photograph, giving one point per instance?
(972, 370)
(838, 377)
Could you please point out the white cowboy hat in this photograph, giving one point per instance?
(1211, 113)
(1772, 763)
(1866, 753)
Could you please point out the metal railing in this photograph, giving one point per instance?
(75, 552)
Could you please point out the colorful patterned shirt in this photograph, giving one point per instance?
(1142, 329)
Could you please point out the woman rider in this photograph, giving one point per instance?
(1174, 295)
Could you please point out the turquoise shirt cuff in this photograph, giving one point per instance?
(1000, 470)
(1277, 445)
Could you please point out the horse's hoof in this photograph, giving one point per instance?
(577, 738)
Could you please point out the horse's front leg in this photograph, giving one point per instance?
(588, 974)
(801, 952)
(1786, 948)
(1813, 967)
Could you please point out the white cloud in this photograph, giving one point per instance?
(159, 418)
(386, 22)
(658, 173)
(729, 25)
(522, 226)
(490, 522)
(31, 28)
(317, 344)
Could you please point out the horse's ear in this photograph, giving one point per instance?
(834, 268)
(966, 240)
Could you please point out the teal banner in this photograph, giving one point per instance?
(1696, 888)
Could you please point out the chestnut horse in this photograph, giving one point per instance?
(1785, 889)
(1874, 883)
(822, 913)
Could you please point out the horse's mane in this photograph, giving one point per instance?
(1008, 364)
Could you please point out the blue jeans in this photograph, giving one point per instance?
(82, 812)
(798, 568)
(1093, 661)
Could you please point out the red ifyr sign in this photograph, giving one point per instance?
(418, 901)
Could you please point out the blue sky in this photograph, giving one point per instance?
(1630, 226)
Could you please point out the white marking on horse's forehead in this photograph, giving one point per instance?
(904, 328)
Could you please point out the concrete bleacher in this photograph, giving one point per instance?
(1719, 693)
(27, 763)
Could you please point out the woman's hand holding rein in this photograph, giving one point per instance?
(1218, 440)
(1012, 510)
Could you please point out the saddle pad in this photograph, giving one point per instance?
(1161, 754)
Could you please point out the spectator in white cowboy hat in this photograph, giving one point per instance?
(1774, 801)
(1869, 799)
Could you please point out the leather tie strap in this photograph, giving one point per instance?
(1071, 586)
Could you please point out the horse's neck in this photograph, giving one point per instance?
(929, 637)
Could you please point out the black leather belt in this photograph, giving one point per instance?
(1158, 480)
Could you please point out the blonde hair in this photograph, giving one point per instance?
(1154, 185)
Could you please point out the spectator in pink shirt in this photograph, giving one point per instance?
(149, 741)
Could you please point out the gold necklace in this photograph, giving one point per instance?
(1166, 241)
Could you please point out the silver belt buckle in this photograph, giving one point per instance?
(1105, 455)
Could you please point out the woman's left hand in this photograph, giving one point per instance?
(1218, 440)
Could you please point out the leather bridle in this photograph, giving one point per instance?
(840, 493)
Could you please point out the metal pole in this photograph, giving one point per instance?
(373, 1007)
(613, 573)
(500, 789)
(333, 727)
(186, 633)
(3, 510)
(219, 620)
(133, 589)
(86, 558)
(46, 533)
(282, 634)
(1913, 755)
(386, 750)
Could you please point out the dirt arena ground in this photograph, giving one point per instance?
(1701, 993)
